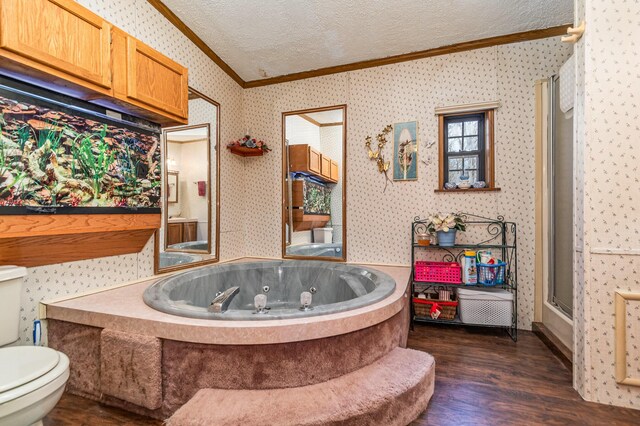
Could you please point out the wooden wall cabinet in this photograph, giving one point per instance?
(305, 159)
(62, 46)
(58, 38)
(146, 80)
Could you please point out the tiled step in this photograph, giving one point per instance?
(392, 391)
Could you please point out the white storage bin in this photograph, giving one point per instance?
(491, 306)
(322, 235)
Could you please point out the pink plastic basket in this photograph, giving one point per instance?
(438, 272)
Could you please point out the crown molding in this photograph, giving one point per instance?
(188, 32)
(445, 50)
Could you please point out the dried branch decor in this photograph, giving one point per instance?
(377, 156)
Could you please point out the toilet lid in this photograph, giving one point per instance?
(22, 364)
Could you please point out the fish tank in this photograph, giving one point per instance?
(62, 155)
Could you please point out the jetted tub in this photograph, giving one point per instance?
(335, 288)
(288, 348)
(317, 249)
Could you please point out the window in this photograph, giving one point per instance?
(466, 147)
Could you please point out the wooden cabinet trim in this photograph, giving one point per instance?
(73, 237)
(9, 41)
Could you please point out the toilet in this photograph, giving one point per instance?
(32, 378)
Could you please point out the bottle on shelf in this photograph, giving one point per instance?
(469, 268)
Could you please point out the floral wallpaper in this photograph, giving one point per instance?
(378, 224)
(607, 192)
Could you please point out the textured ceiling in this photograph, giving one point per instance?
(268, 38)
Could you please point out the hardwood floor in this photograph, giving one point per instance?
(482, 378)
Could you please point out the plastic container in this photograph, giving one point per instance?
(438, 272)
(491, 275)
(322, 235)
(491, 306)
(469, 269)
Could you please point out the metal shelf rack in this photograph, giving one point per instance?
(496, 234)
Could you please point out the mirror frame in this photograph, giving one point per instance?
(214, 258)
(343, 107)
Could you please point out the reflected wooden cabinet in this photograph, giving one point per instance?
(326, 167)
(190, 231)
(315, 161)
(58, 38)
(63, 46)
(305, 159)
(182, 232)
(334, 171)
(174, 233)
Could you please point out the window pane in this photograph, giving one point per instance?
(455, 129)
(455, 163)
(470, 162)
(455, 144)
(470, 128)
(454, 177)
(473, 176)
(471, 143)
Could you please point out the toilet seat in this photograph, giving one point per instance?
(25, 369)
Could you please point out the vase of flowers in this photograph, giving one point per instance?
(446, 226)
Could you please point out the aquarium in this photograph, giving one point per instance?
(56, 156)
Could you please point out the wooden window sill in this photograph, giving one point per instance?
(468, 190)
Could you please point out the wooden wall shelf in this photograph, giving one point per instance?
(34, 240)
(243, 151)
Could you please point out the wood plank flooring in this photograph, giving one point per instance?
(482, 378)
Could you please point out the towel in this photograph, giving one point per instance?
(202, 188)
(567, 84)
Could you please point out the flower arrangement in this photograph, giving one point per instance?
(377, 156)
(249, 142)
(441, 222)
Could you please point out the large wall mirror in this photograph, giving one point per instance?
(314, 183)
(190, 226)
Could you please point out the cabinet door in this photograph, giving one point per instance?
(59, 37)
(334, 171)
(315, 161)
(326, 167)
(190, 231)
(156, 80)
(174, 233)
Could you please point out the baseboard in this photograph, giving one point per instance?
(564, 354)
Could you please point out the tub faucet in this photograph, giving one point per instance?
(221, 302)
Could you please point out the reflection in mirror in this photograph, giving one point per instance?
(189, 234)
(314, 147)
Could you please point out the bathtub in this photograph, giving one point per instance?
(191, 245)
(171, 259)
(319, 249)
(334, 287)
(307, 348)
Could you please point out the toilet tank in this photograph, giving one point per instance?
(10, 288)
